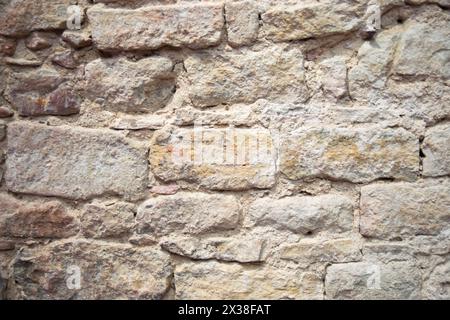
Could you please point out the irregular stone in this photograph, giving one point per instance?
(107, 220)
(421, 208)
(432, 245)
(74, 163)
(150, 122)
(436, 286)
(7, 46)
(196, 213)
(23, 62)
(65, 59)
(142, 240)
(38, 41)
(312, 20)
(241, 249)
(20, 219)
(236, 115)
(218, 159)
(5, 112)
(77, 38)
(246, 76)
(165, 190)
(199, 281)
(423, 49)
(363, 280)
(334, 78)
(406, 66)
(107, 271)
(148, 28)
(309, 251)
(20, 17)
(436, 150)
(304, 215)
(42, 92)
(387, 252)
(242, 20)
(356, 155)
(124, 85)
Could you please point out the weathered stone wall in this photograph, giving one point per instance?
(275, 149)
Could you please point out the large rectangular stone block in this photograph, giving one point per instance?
(303, 214)
(405, 209)
(74, 163)
(196, 213)
(80, 269)
(148, 28)
(311, 19)
(218, 159)
(225, 281)
(275, 73)
(356, 155)
(372, 280)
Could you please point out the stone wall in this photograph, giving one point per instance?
(188, 149)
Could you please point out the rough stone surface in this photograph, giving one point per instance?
(304, 214)
(242, 22)
(353, 155)
(313, 19)
(191, 25)
(309, 251)
(218, 159)
(363, 280)
(188, 213)
(436, 150)
(50, 219)
(108, 271)
(95, 162)
(120, 84)
(420, 209)
(232, 77)
(107, 220)
(42, 92)
(242, 249)
(198, 281)
(20, 17)
(224, 149)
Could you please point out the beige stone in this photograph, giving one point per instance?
(242, 22)
(311, 19)
(123, 85)
(103, 220)
(200, 281)
(195, 213)
(373, 281)
(304, 215)
(218, 77)
(148, 28)
(309, 251)
(356, 155)
(107, 271)
(218, 159)
(241, 249)
(73, 163)
(437, 151)
(395, 210)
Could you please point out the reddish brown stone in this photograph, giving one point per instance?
(65, 59)
(19, 219)
(5, 112)
(165, 190)
(7, 46)
(42, 92)
(38, 41)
